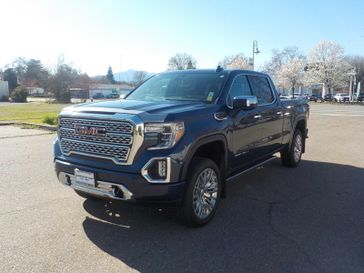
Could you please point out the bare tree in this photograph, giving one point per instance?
(280, 58)
(291, 73)
(237, 61)
(181, 61)
(139, 77)
(327, 65)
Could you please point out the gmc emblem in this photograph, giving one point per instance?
(90, 131)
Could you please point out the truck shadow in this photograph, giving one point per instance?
(308, 219)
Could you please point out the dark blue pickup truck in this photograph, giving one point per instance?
(178, 139)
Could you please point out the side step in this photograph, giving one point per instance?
(251, 168)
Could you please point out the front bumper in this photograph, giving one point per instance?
(122, 186)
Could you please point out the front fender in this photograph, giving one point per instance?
(197, 144)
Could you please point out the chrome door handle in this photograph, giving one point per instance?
(257, 116)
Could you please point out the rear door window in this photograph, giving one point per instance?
(261, 89)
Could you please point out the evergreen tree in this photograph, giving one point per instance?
(9, 75)
(190, 65)
(35, 74)
(110, 75)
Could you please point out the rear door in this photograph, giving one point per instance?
(270, 115)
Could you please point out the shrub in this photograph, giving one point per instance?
(51, 120)
(19, 94)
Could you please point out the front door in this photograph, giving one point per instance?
(270, 115)
(246, 126)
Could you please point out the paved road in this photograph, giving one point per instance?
(308, 219)
(337, 110)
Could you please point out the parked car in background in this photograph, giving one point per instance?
(112, 96)
(360, 98)
(285, 97)
(98, 96)
(341, 97)
(329, 97)
(315, 98)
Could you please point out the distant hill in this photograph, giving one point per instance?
(128, 75)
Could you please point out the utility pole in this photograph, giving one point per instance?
(255, 50)
(352, 76)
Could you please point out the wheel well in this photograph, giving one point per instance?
(214, 151)
(301, 125)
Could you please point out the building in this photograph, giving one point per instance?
(108, 90)
(35, 91)
(4, 90)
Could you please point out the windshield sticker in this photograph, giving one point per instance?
(210, 96)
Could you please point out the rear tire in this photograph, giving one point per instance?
(291, 157)
(203, 192)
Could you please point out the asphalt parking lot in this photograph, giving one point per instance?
(275, 219)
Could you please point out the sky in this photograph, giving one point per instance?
(143, 35)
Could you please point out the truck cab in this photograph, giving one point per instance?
(178, 139)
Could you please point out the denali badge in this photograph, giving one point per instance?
(90, 131)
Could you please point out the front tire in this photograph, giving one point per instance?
(203, 192)
(292, 156)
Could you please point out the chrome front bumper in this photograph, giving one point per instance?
(102, 188)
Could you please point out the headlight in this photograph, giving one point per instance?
(168, 134)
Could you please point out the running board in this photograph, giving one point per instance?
(251, 168)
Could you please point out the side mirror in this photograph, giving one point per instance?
(245, 102)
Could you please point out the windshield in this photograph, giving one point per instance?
(202, 87)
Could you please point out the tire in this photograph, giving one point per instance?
(203, 192)
(291, 157)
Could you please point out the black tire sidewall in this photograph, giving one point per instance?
(287, 155)
(197, 166)
(293, 162)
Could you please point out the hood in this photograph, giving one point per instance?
(148, 111)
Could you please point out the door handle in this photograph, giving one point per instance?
(257, 116)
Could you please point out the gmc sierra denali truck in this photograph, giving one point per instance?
(178, 139)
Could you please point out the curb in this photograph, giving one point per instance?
(52, 128)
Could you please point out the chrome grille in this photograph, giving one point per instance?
(114, 145)
(109, 138)
(111, 126)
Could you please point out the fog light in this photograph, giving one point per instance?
(157, 170)
(162, 168)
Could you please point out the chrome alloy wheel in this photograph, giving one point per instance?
(297, 148)
(205, 193)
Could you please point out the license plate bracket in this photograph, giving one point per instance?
(85, 179)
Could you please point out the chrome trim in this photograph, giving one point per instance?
(145, 173)
(95, 139)
(205, 193)
(251, 168)
(137, 134)
(103, 189)
(95, 155)
(216, 116)
(97, 120)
